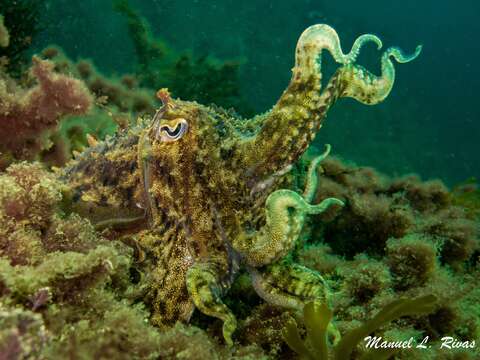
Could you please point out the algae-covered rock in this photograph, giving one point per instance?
(65, 291)
(23, 334)
(396, 237)
(61, 283)
(29, 114)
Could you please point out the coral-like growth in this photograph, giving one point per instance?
(467, 195)
(117, 104)
(263, 327)
(378, 209)
(370, 217)
(189, 343)
(22, 333)
(457, 233)
(27, 116)
(412, 260)
(364, 279)
(60, 272)
(32, 231)
(118, 95)
(317, 318)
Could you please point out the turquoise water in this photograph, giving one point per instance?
(428, 125)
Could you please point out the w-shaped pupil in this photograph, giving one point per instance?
(175, 132)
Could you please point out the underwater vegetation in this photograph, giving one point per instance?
(19, 25)
(317, 317)
(43, 104)
(198, 234)
(467, 195)
(4, 34)
(115, 101)
(201, 78)
(380, 208)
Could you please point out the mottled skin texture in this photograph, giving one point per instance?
(199, 189)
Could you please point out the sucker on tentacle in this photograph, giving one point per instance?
(282, 228)
(321, 37)
(370, 89)
(291, 125)
(312, 178)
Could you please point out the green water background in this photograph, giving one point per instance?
(429, 124)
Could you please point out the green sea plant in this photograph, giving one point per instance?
(22, 20)
(4, 34)
(317, 318)
(117, 102)
(467, 195)
(379, 209)
(201, 78)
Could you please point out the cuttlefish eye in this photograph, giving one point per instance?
(173, 132)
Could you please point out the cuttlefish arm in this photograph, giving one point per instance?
(291, 125)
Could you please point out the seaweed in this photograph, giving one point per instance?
(28, 116)
(4, 34)
(380, 209)
(317, 317)
(22, 20)
(467, 195)
(202, 78)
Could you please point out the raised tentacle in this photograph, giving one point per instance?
(285, 216)
(312, 177)
(321, 37)
(358, 83)
(291, 125)
(360, 41)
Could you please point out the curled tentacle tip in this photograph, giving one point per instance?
(328, 147)
(415, 54)
(324, 205)
(418, 50)
(335, 201)
(372, 38)
(357, 45)
(321, 157)
(400, 57)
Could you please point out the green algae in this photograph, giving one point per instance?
(82, 291)
(467, 195)
(201, 78)
(23, 23)
(317, 318)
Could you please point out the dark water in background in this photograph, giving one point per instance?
(430, 123)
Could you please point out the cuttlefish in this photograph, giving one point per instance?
(200, 190)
